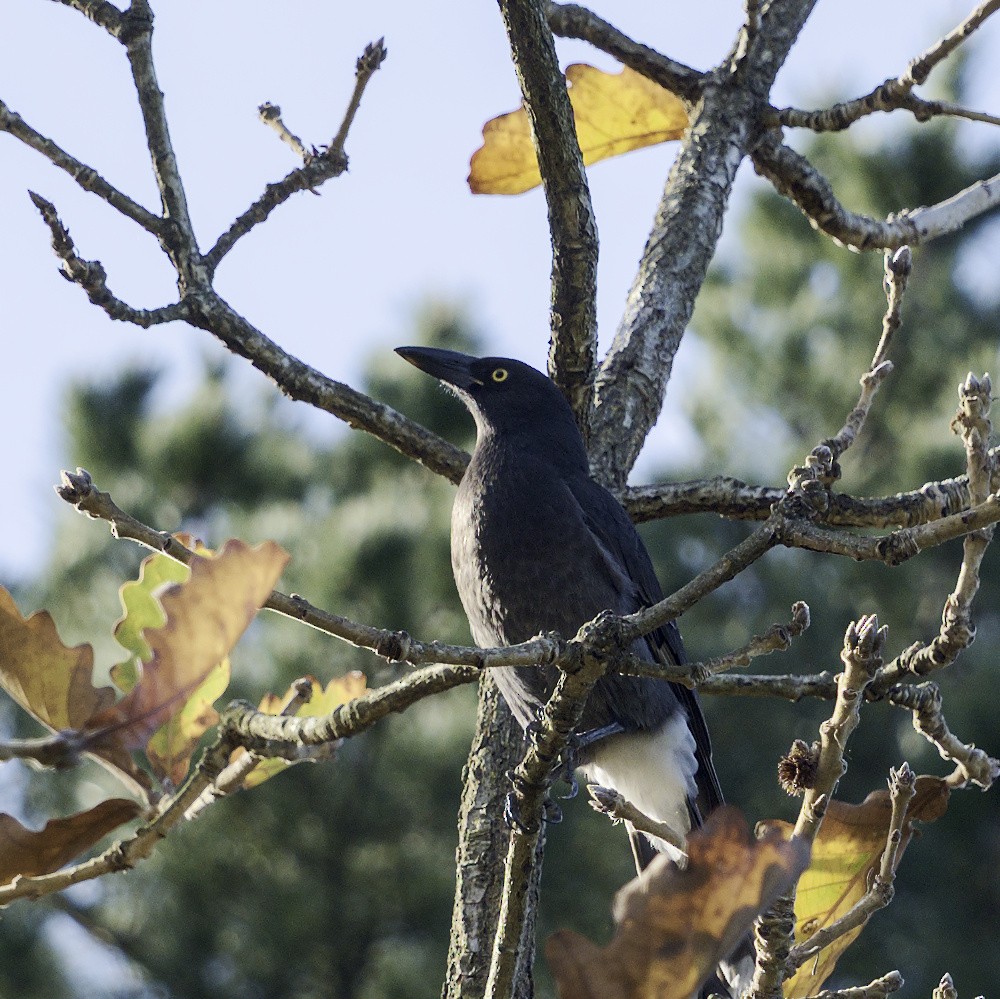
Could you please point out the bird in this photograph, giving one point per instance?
(537, 545)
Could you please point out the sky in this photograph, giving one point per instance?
(334, 278)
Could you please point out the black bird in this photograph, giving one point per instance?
(537, 545)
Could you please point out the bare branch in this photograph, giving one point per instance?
(278, 735)
(796, 178)
(91, 276)
(86, 176)
(879, 893)
(861, 656)
(897, 268)
(879, 989)
(609, 802)
(928, 719)
(570, 20)
(177, 236)
(632, 381)
(270, 115)
(368, 63)
(897, 93)
(102, 13)
(318, 167)
(958, 631)
(567, 195)
(920, 68)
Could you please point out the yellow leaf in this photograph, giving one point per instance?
(27, 853)
(205, 617)
(339, 690)
(674, 926)
(615, 113)
(847, 852)
(169, 750)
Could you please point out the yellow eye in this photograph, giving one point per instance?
(500, 374)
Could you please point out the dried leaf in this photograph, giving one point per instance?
(50, 681)
(614, 112)
(205, 617)
(338, 691)
(27, 853)
(674, 926)
(846, 854)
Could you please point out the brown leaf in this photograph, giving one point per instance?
(847, 852)
(614, 113)
(206, 616)
(27, 853)
(674, 926)
(49, 680)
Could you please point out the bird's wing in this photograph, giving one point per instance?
(607, 520)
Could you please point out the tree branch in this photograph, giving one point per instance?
(102, 13)
(86, 176)
(91, 276)
(632, 381)
(896, 93)
(798, 180)
(928, 719)
(879, 989)
(570, 20)
(879, 893)
(318, 167)
(571, 215)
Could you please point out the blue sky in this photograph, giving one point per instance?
(333, 278)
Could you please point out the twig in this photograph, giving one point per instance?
(879, 893)
(368, 63)
(731, 498)
(946, 989)
(957, 630)
(277, 735)
(777, 638)
(570, 20)
(897, 267)
(124, 855)
(86, 176)
(897, 546)
(572, 226)
(609, 802)
(878, 989)
(928, 719)
(91, 276)
(796, 178)
(270, 115)
(861, 656)
(896, 93)
(232, 777)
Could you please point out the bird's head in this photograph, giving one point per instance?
(506, 397)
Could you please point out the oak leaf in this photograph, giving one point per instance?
(846, 854)
(27, 852)
(205, 617)
(51, 681)
(674, 926)
(170, 748)
(614, 113)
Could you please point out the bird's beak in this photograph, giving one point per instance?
(446, 365)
